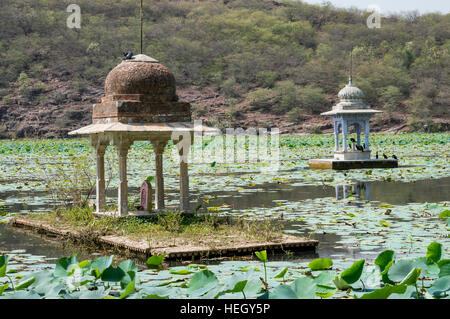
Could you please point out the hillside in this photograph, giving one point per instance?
(242, 62)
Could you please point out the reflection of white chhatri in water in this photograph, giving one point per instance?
(351, 111)
(355, 189)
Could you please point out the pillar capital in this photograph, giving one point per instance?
(122, 144)
(159, 145)
(99, 144)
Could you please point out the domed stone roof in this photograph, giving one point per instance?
(350, 93)
(140, 91)
(351, 102)
(141, 75)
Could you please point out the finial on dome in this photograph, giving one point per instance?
(351, 67)
(142, 24)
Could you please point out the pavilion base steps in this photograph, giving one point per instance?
(352, 164)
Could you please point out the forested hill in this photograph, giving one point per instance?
(243, 63)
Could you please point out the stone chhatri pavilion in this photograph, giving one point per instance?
(351, 111)
(140, 104)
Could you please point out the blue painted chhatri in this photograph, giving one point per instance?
(351, 111)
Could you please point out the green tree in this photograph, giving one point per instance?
(24, 85)
(390, 98)
(288, 96)
(313, 99)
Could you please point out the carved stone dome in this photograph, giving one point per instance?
(142, 76)
(351, 93)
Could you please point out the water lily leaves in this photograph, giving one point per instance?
(440, 286)
(100, 264)
(384, 223)
(63, 266)
(320, 264)
(352, 274)
(412, 277)
(83, 264)
(201, 282)
(282, 273)
(325, 277)
(385, 292)
(155, 261)
(130, 269)
(25, 284)
(444, 267)
(384, 259)
(444, 214)
(128, 265)
(341, 284)
(282, 292)
(129, 289)
(304, 288)
(53, 290)
(262, 255)
(112, 274)
(237, 286)
(3, 264)
(324, 291)
(181, 272)
(3, 288)
(401, 269)
(434, 252)
(158, 293)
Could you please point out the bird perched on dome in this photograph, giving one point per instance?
(128, 55)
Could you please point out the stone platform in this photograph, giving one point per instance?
(142, 250)
(352, 164)
(130, 213)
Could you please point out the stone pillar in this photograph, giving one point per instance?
(366, 134)
(100, 147)
(184, 180)
(122, 152)
(100, 188)
(344, 133)
(336, 136)
(358, 134)
(158, 146)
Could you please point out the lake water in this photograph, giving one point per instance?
(394, 193)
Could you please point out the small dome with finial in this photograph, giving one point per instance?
(351, 98)
(350, 92)
(141, 75)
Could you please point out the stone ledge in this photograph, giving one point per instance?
(142, 249)
(352, 164)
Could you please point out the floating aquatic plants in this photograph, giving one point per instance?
(425, 277)
(373, 229)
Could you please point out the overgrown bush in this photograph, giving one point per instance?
(295, 115)
(390, 98)
(262, 99)
(312, 99)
